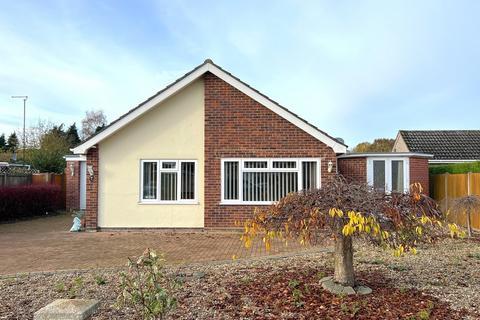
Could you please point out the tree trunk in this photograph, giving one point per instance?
(469, 226)
(344, 260)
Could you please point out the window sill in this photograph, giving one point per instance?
(246, 203)
(168, 202)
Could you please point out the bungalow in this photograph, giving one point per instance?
(446, 146)
(208, 149)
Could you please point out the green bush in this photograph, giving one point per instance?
(455, 168)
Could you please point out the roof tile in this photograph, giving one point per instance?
(444, 144)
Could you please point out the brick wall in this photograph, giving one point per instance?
(92, 190)
(72, 185)
(419, 173)
(238, 126)
(353, 169)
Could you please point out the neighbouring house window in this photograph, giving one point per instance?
(168, 181)
(263, 181)
(386, 174)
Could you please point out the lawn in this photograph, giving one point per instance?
(441, 282)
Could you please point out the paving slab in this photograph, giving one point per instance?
(67, 309)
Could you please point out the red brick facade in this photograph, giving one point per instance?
(72, 185)
(91, 214)
(238, 126)
(353, 169)
(419, 173)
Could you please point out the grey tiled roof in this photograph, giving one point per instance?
(444, 144)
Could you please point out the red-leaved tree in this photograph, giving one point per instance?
(398, 220)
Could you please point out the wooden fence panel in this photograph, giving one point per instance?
(438, 189)
(40, 178)
(14, 180)
(448, 187)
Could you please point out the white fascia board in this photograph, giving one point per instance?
(385, 155)
(208, 67)
(451, 161)
(75, 157)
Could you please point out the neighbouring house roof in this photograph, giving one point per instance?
(385, 155)
(208, 66)
(445, 145)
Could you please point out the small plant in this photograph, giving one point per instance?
(297, 293)
(78, 282)
(377, 262)
(60, 286)
(403, 289)
(99, 280)
(424, 314)
(292, 284)
(74, 287)
(474, 255)
(245, 280)
(352, 309)
(398, 267)
(146, 287)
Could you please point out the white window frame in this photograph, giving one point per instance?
(388, 171)
(269, 168)
(177, 169)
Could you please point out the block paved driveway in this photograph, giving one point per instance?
(44, 244)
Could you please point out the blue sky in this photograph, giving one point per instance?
(357, 69)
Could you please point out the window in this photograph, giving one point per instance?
(149, 180)
(379, 175)
(168, 181)
(263, 181)
(397, 176)
(388, 174)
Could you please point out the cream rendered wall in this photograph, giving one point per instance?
(400, 145)
(172, 130)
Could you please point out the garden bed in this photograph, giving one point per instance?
(442, 282)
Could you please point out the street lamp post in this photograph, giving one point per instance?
(24, 110)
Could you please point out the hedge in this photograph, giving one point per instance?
(19, 202)
(455, 168)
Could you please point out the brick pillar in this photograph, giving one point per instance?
(91, 214)
(419, 173)
(72, 185)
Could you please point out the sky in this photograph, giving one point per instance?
(358, 70)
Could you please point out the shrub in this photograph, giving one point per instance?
(146, 287)
(19, 202)
(455, 168)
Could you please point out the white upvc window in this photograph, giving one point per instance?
(259, 181)
(168, 181)
(388, 174)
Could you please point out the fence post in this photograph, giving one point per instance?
(446, 191)
(469, 227)
(468, 183)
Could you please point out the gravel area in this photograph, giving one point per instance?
(442, 281)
